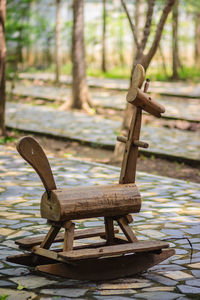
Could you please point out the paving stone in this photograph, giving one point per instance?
(6, 231)
(153, 233)
(15, 272)
(5, 283)
(120, 286)
(113, 297)
(117, 292)
(177, 275)
(170, 267)
(32, 281)
(17, 295)
(8, 252)
(194, 282)
(161, 279)
(186, 261)
(159, 289)
(186, 289)
(158, 295)
(195, 266)
(68, 292)
(196, 273)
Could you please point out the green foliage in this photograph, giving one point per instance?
(190, 73)
(5, 140)
(116, 72)
(20, 287)
(3, 297)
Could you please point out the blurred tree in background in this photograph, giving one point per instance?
(2, 66)
(140, 56)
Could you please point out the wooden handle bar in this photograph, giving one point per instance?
(32, 152)
(144, 101)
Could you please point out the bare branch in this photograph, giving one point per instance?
(132, 25)
(167, 9)
(147, 27)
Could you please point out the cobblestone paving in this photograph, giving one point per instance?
(166, 88)
(96, 129)
(170, 209)
(180, 108)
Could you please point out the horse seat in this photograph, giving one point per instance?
(89, 202)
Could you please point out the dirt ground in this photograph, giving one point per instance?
(151, 165)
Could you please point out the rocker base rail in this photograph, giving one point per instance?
(107, 268)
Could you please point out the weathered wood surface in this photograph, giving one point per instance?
(69, 237)
(33, 153)
(29, 259)
(107, 268)
(113, 250)
(88, 202)
(30, 242)
(144, 101)
(109, 228)
(128, 169)
(127, 230)
(50, 237)
(138, 143)
(129, 162)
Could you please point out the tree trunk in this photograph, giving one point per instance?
(103, 65)
(137, 16)
(2, 67)
(80, 92)
(163, 60)
(121, 39)
(146, 59)
(197, 39)
(175, 56)
(58, 40)
(141, 58)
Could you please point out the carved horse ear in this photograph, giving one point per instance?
(137, 81)
(33, 153)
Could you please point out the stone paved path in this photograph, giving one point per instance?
(178, 108)
(165, 88)
(170, 209)
(103, 132)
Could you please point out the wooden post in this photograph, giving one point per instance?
(69, 236)
(109, 227)
(48, 240)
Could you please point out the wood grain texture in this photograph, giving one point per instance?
(32, 152)
(137, 81)
(109, 228)
(145, 102)
(127, 230)
(50, 237)
(113, 250)
(107, 268)
(69, 238)
(30, 242)
(89, 202)
(129, 162)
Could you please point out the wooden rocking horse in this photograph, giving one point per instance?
(116, 256)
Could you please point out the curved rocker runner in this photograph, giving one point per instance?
(113, 256)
